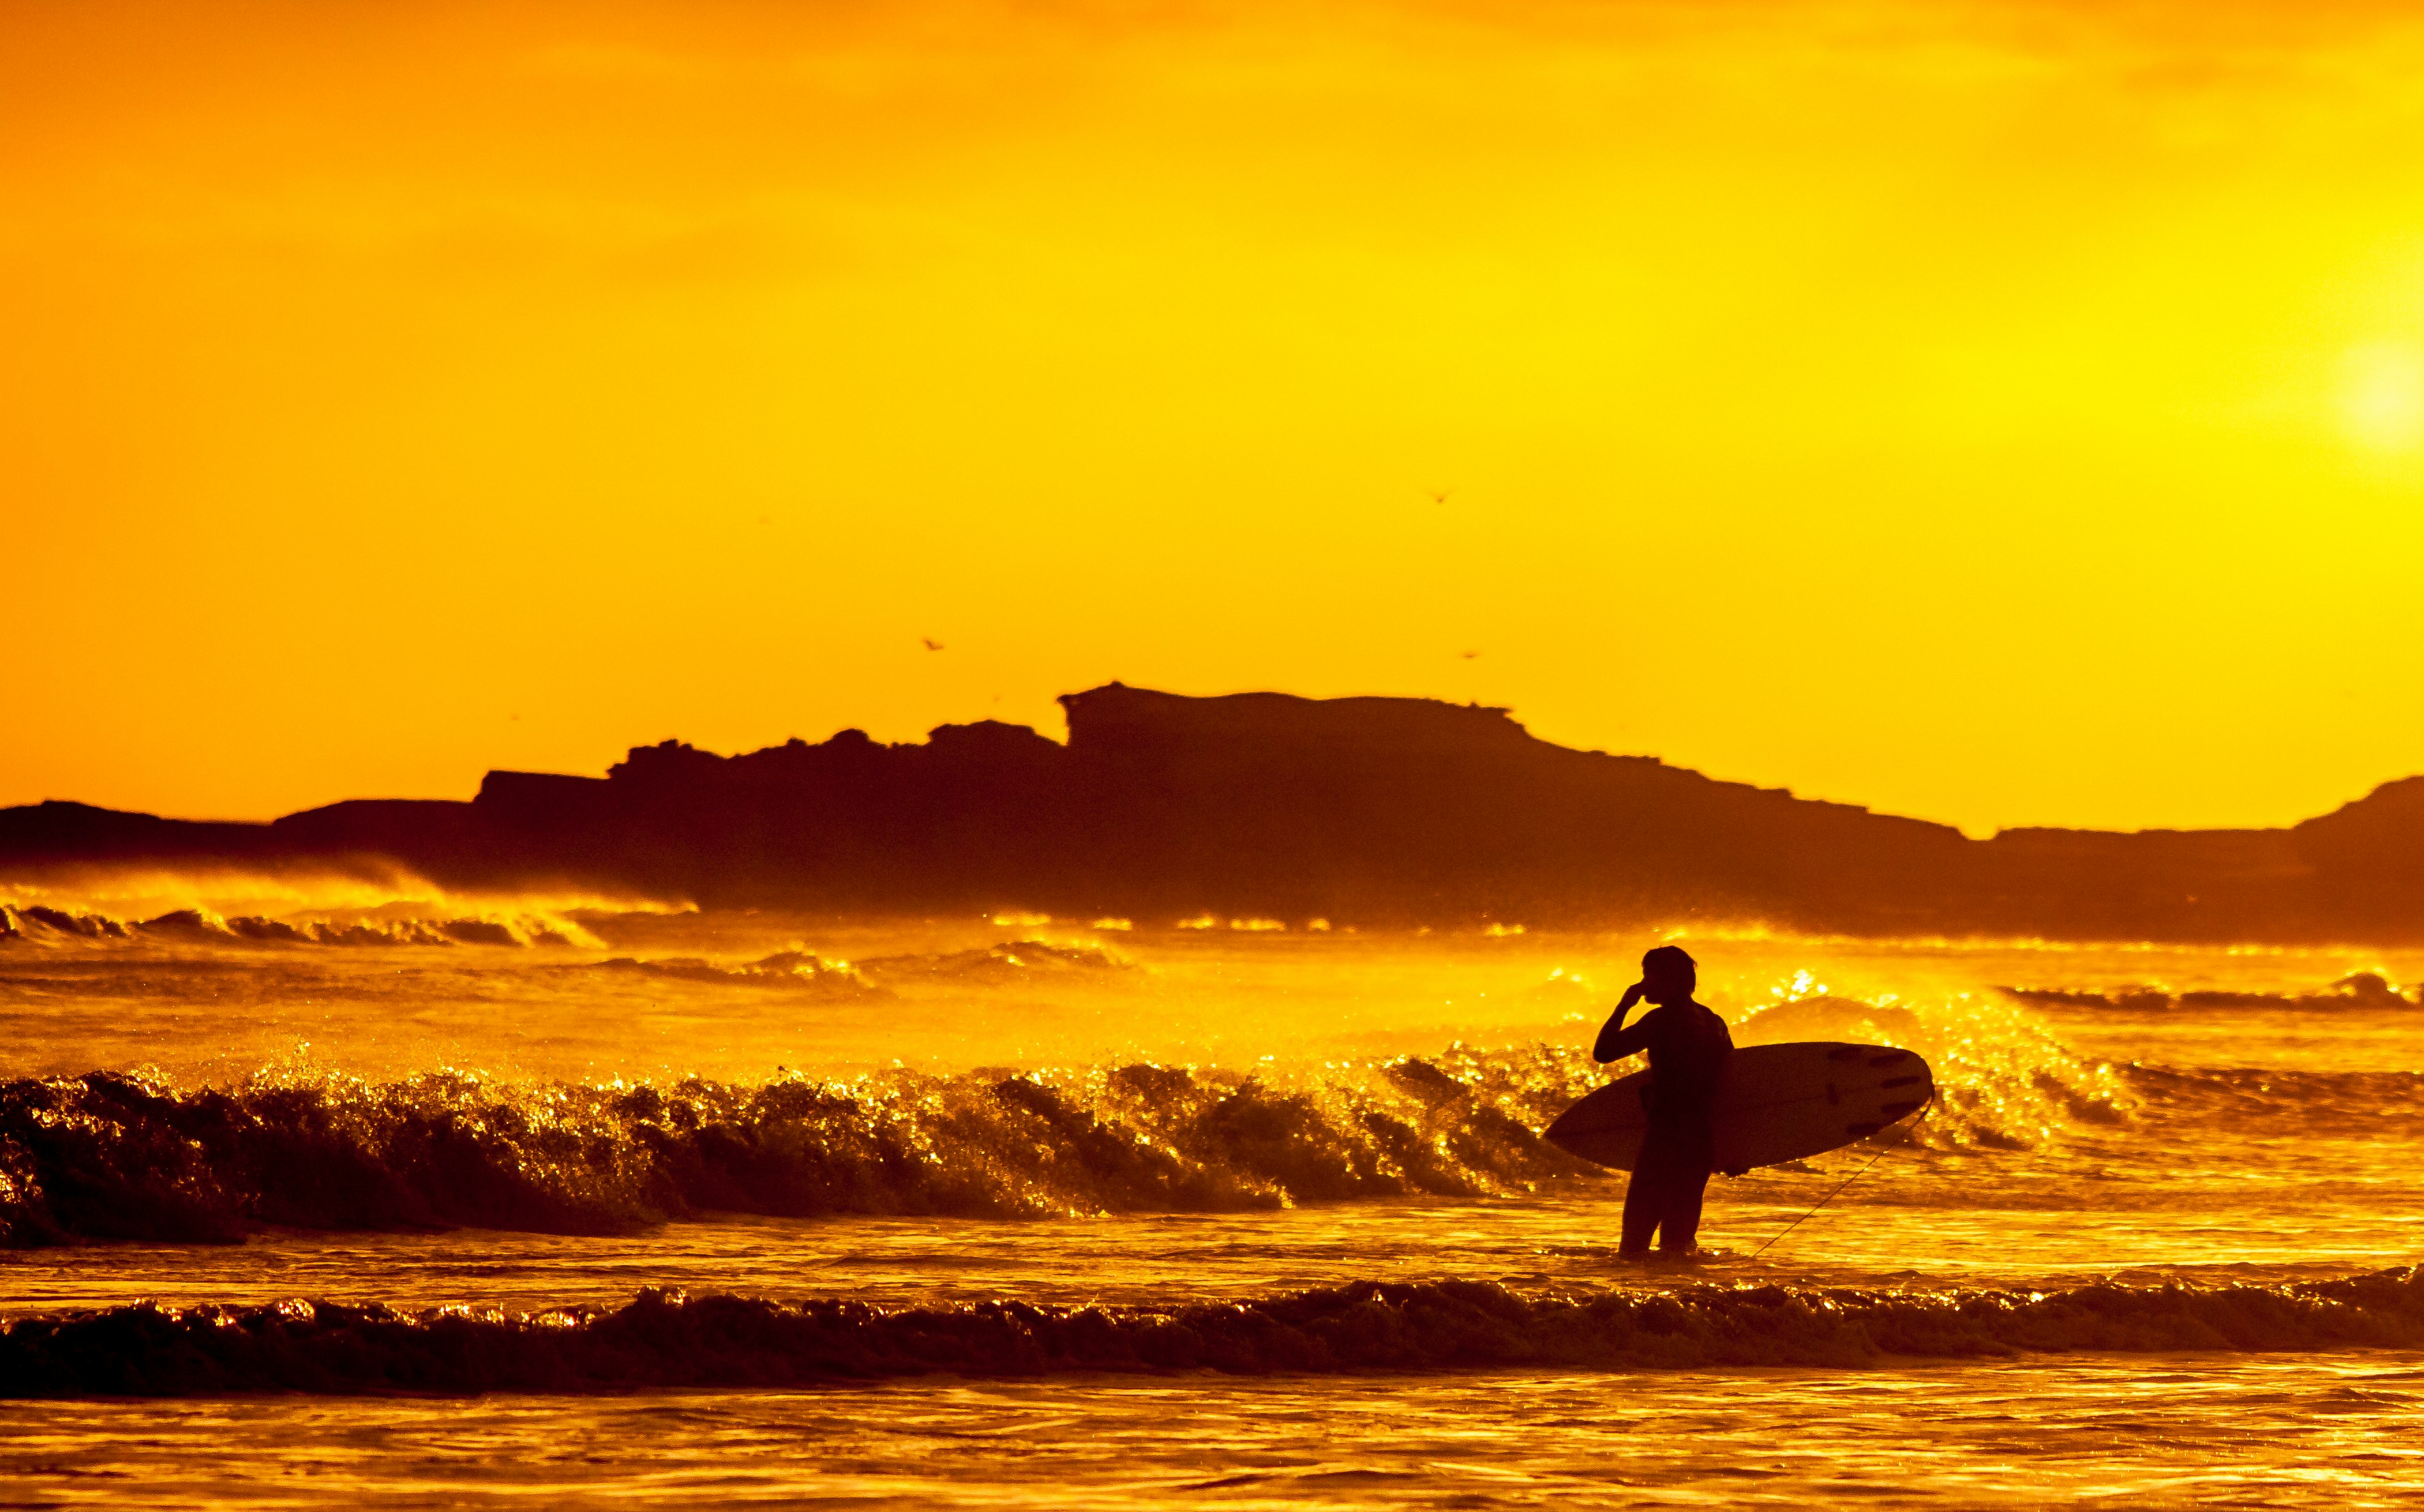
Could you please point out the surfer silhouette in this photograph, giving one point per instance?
(1688, 1045)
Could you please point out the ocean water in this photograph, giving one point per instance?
(394, 1202)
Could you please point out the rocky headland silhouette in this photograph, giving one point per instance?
(1370, 811)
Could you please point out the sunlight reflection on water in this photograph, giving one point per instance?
(2276, 1431)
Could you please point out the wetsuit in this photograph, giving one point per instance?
(1688, 1046)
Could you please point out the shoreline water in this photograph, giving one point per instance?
(673, 1153)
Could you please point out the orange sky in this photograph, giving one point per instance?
(2002, 413)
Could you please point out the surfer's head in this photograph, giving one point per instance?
(1668, 976)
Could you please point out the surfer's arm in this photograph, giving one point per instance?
(1615, 1041)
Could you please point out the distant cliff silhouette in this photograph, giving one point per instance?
(1380, 811)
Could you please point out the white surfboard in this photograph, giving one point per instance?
(1777, 1102)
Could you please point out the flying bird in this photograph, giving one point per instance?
(1468, 655)
(932, 645)
(1439, 496)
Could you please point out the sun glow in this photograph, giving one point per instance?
(2383, 400)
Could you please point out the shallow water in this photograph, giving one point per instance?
(2182, 1431)
(706, 1108)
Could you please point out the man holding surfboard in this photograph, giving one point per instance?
(1688, 1047)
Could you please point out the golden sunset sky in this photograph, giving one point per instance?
(1998, 413)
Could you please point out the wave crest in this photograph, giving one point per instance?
(666, 1339)
(2003, 1082)
(36, 923)
(1011, 960)
(2358, 990)
(789, 970)
(116, 1155)
(110, 1156)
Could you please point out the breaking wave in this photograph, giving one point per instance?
(2003, 1082)
(1011, 961)
(2362, 989)
(793, 969)
(112, 1155)
(800, 970)
(668, 1339)
(195, 926)
(788, 970)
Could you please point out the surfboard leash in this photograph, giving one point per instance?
(1909, 1134)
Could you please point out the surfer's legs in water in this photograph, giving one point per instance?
(1670, 1178)
(1645, 1198)
(1679, 1226)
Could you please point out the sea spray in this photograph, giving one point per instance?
(2005, 1081)
(201, 927)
